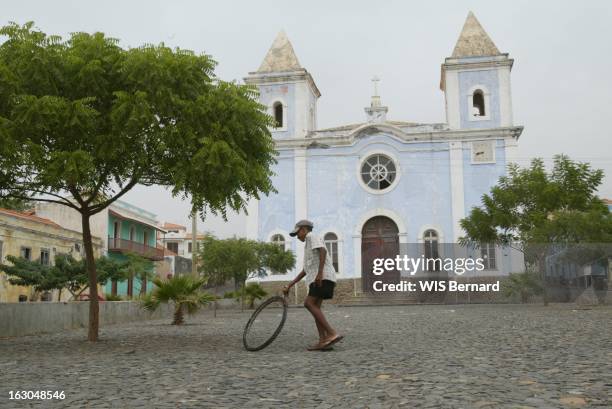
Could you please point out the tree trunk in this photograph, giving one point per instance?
(178, 315)
(143, 285)
(542, 271)
(94, 308)
(59, 295)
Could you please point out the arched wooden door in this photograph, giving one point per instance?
(379, 239)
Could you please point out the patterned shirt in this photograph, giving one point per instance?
(312, 244)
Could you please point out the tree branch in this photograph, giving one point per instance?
(101, 206)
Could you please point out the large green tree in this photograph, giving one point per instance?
(83, 120)
(536, 211)
(238, 259)
(65, 273)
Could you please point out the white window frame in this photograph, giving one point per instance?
(48, 251)
(288, 246)
(21, 252)
(490, 248)
(398, 171)
(277, 242)
(339, 243)
(272, 114)
(470, 103)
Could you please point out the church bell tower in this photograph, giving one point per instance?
(287, 90)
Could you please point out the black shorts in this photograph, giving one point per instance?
(326, 291)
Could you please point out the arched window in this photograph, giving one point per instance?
(478, 103)
(331, 244)
(430, 238)
(278, 114)
(279, 240)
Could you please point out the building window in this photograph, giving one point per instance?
(430, 238)
(77, 248)
(478, 103)
(26, 252)
(378, 172)
(278, 114)
(331, 244)
(487, 253)
(44, 257)
(173, 247)
(279, 240)
(132, 233)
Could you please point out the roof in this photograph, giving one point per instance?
(350, 127)
(281, 56)
(607, 201)
(172, 226)
(474, 40)
(28, 216)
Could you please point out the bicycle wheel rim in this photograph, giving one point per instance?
(251, 344)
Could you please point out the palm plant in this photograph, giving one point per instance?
(184, 291)
(250, 293)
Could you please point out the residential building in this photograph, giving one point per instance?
(126, 229)
(177, 241)
(25, 234)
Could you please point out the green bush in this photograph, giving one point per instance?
(523, 285)
(111, 297)
(229, 294)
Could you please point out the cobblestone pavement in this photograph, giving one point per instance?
(465, 356)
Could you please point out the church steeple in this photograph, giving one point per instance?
(474, 40)
(280, 57)
(287, 89)
(476, 81)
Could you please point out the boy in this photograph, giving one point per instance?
(320, 279)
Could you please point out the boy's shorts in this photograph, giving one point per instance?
(326, 291)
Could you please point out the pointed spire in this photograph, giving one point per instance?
(474, 40)
(280, 57)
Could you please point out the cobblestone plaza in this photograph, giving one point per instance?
(439, 356)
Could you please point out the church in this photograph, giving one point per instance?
(371, 187)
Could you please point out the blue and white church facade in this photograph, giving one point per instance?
(370, 187)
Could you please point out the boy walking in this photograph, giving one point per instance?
(320, 280)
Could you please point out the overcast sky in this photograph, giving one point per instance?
(561, 79)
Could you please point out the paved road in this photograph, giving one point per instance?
(478, 356)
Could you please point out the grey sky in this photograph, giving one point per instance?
(561, 80)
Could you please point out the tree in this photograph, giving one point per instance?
(250, 293)
(19, 205)
(185, 292)
(82, 121)
(238, 259)
(66, 273)
(536, 211)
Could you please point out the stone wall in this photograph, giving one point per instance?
(17, 319)
(344, 291)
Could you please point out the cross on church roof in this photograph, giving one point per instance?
(375, 81)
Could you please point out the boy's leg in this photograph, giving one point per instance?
(322, 332)
(315, 309)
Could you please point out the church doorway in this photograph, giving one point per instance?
(379, 239)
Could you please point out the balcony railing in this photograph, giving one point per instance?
(129, 246)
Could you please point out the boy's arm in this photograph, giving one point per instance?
(322, 255)
(292, 283)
